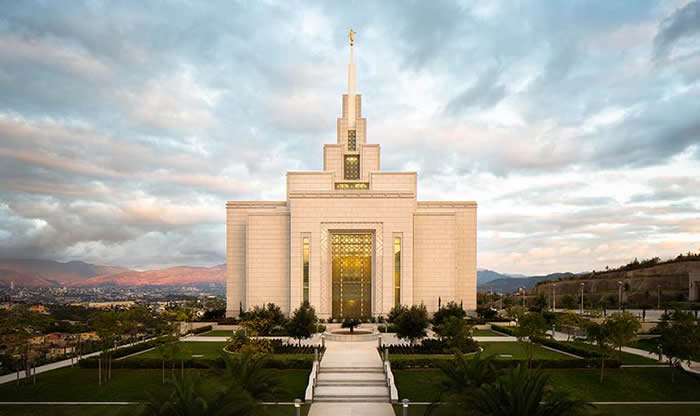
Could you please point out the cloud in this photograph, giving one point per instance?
(125, 128)
(683, 23)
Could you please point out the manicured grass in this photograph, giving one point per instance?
(518, 350)
(500, 351)
(188, 349)
(100, 410)
(78, 384)
(218, 333)
(603, 410)
(624, 357)
(625, 384)
(486, 333)
(649, 345)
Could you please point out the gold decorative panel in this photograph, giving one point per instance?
(342, 186)
(352, 275)
(352, 167)
(352, 141)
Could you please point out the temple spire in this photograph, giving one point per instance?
(351, 83)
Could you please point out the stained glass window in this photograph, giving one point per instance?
(352, 167)
(306, 268)
(352, 141)
(397, 271)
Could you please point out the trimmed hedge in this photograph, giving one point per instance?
(133, 349)
(504, 330)
(402, 363)
(570, 347)
(214, 363)
(201, 329)
(427, 347)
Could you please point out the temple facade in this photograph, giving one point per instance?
(352, 240)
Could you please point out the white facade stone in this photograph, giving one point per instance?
(264, 240)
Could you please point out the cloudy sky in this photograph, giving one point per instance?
(574, 124)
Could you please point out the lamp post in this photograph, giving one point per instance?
(522, 292)
(297, 407)
(582, 298)
(554, 297)
(619, 296)
(658, 296)
(405, 407)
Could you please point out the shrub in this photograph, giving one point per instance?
(261, 320)
(430, 346)
(582, 350)
(412, 323)
(445, 312)
(507, 330)
(206, 363)
(201, 329)
(395, 312)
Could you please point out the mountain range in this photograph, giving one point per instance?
(48, 273)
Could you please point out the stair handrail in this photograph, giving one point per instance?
(313, 381)
(391, 385)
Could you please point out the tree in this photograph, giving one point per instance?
(451, 309)
(568, 320)
(350, 323)
(261, 320)
(599, 334)
(568, 302)
(622, 328)
(540, 303)
(680, 340)
(105, 325)
(395, 312)
(532, 325)
(486, 313)
(462, 376)
(247, 372)
(521, 393)
(303, 322)
(456, 333)
(412, 323)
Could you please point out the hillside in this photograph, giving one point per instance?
(53, 272)
(484, 276)
(173, 276)
(640, 285)
(512, 284)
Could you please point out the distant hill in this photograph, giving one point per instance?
(484, 276)
(173, 276)
(47, 273)
(512, 284)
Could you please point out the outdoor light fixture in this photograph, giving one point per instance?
(405, 407)
(297, 407)
(582, 284)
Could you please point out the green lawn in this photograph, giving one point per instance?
(219, 333)
(606, 410)
(625, 384)
(625, 358)
(649, 345)
(188, 349)
(500, 350)
(486, 333)
(77, 384)
(98, 410)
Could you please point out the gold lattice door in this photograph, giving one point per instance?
(352, 275)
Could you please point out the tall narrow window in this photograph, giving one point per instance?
(397, 271)
(352, 167)
(352, 141)
(306, 268)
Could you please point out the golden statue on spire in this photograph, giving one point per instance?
(352, 37)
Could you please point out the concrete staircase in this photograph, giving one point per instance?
(351, 385)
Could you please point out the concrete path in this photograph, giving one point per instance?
(351, 382)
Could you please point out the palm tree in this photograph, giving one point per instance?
(190, 396)
(247, 372)
(521, 393)
(462, 377)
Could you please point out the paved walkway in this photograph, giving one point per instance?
(351, 382)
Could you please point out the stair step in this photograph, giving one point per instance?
(351, 383)
(351, 370)
(355, 399)
(352, 376)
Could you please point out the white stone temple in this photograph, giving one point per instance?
(353, 240)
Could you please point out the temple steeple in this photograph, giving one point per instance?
(351, 84)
